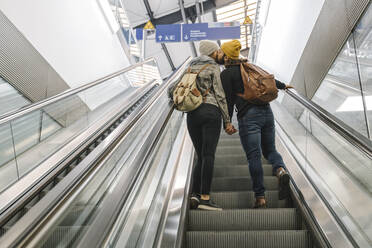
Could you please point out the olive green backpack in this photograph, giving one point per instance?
(186, 95)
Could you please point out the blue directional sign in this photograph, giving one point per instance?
(210, 31)
(196, 31)
(139, 33)
(168, 33)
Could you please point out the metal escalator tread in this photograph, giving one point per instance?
(244, 219)
(238, 171)
(241, 183)
(245, 199)
(238, 225)
(256, 239)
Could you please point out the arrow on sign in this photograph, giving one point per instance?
(160, 37)
(186, 37)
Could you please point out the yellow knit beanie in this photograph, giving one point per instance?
(231, 49)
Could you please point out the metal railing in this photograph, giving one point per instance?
(33, 107)
(83, 175)
(357, 140)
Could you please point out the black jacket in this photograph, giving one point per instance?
(232, 84)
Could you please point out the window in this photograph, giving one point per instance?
(346, 91)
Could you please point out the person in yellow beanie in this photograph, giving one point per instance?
(231, 49)
(256, 125)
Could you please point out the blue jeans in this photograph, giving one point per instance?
(257, 135)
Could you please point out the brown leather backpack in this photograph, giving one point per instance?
(259, 85)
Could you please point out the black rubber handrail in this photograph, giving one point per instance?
(357, 140)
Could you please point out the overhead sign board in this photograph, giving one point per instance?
(168, 33)
(210, 31)
(194, 32)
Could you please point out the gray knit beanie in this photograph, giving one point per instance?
(207, 47)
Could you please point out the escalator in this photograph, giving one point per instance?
(118, 101)
(132, 189)
(238, 225)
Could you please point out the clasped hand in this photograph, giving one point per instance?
(230, 129)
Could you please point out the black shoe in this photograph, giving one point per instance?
(283, 184)
(194, 201)
(209, 205)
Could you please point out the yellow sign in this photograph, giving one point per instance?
(149, 25)
(247, 20)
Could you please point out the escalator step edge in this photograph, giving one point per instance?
(238, 239)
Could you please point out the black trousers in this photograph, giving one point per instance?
(204, 125)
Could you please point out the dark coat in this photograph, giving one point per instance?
(233, 84)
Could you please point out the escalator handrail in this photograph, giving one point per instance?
(40, 104)
(357, 140)
(30, 220)
(97, 225)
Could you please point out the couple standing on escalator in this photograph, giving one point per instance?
(221, 92)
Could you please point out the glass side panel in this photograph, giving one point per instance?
(26, 133)
(8, 167)
(10, 98)
(363, 44)
(86, 206)
(39, 134)
(48, 126)
(340, 92)
(343, 173)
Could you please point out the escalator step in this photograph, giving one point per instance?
(257, 239)
(244, 219)
(223, 159)
(230, 150)
(246, 199)
(241, 183)
(227, 136)
(238, 170)
(228, 142)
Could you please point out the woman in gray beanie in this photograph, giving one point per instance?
(204, 123)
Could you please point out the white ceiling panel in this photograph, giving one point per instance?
(154, 49)
(136, 11)
(166, 7)
(179, 52)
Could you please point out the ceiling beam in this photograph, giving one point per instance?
(184, 18)
(191, 12)
(163, 46)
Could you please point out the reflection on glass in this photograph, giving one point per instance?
(340, 92)
(48, 126)
(10, 98)
(26, 131)
(39, 134)
(8, 167)
(75, 221)
(343, 171)
(363, 44)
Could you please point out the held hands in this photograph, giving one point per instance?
(230, 129)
